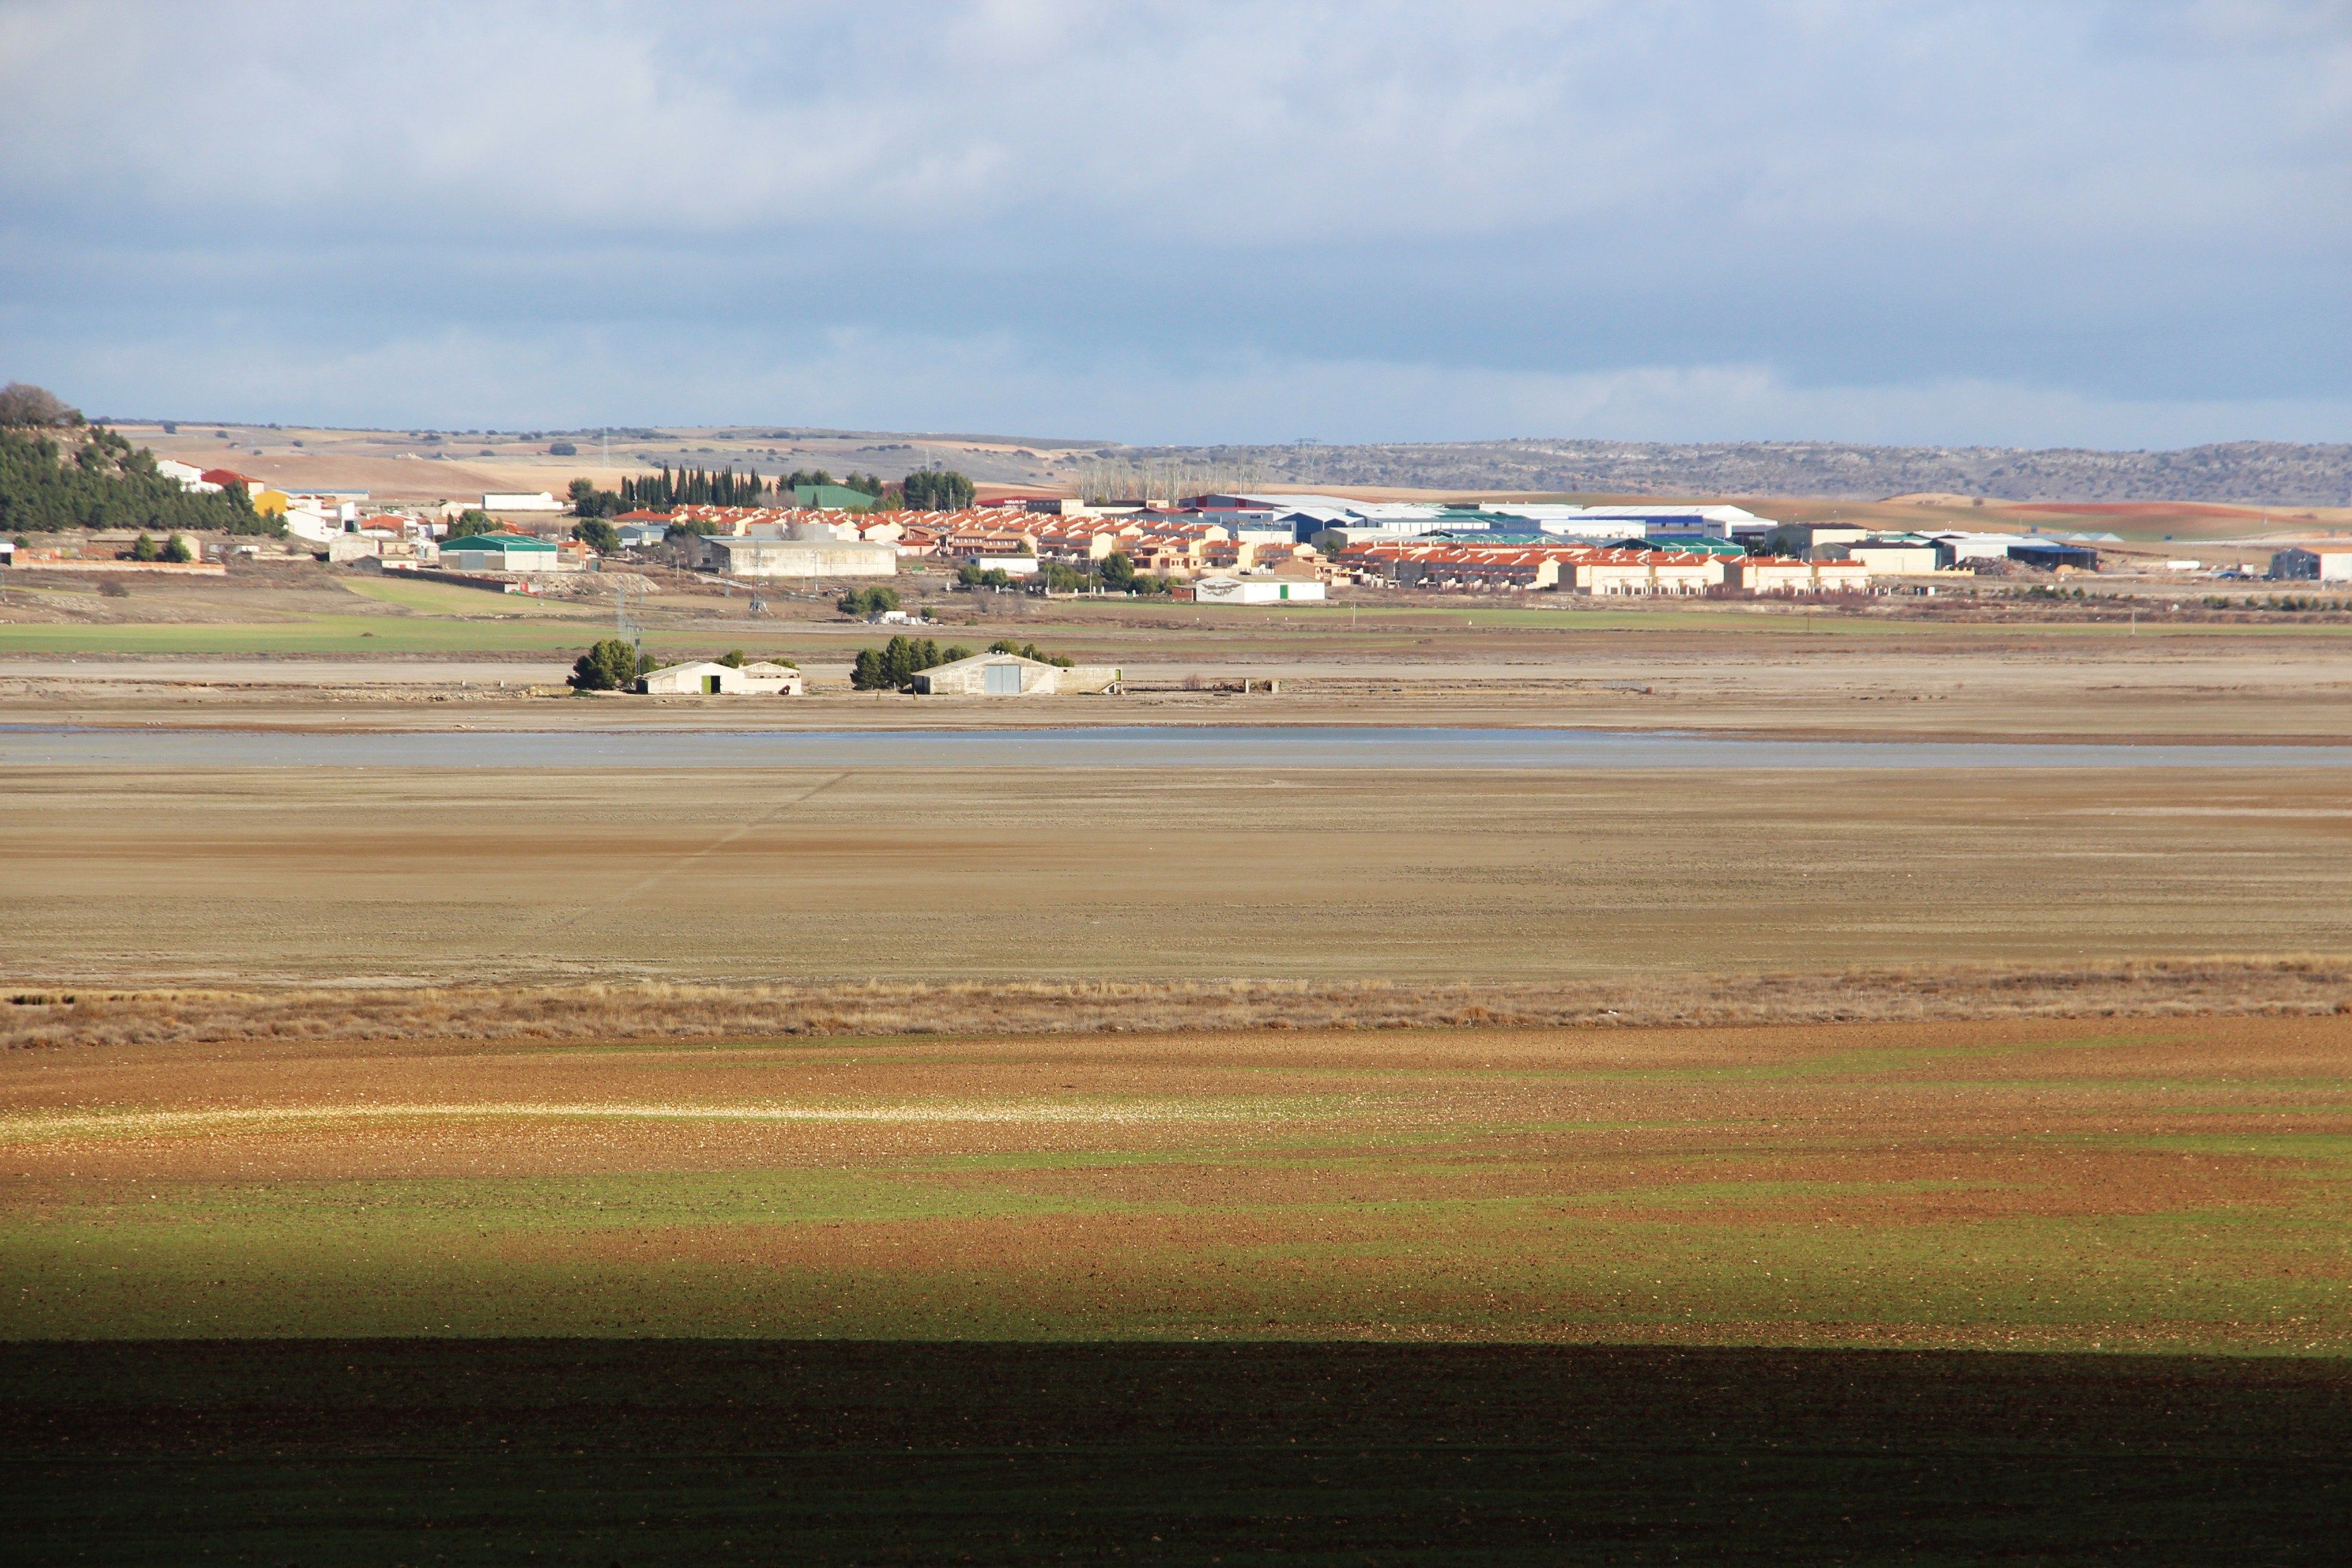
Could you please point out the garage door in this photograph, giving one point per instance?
(1003, 679)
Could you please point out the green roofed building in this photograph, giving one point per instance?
(499, 553)
(832, 497)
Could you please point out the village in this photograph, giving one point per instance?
(1223, 548)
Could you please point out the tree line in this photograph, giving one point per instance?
(668, 488)
(57, 472)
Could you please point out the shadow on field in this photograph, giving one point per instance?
(690, 1452)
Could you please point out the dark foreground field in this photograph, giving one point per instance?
(422, 1451)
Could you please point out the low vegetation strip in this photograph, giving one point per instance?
(2176, 1185)
(39, 1127)
(2216, 986)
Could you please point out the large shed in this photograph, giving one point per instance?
(804, 558)
(1010, 675)
(758, 679)
(500, 553)
(1255, 590)
(2051, 554)
(2298, 565)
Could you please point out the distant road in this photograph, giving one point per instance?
(290, 671)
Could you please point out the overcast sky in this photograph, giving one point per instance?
(2121, 223)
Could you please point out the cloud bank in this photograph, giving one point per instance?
(2115, 222)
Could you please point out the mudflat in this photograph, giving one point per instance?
(129, 877)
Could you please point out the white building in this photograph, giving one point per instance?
(758, 679)
(500, 553)
(187, 476)
(315, 527)
(522, 501)
(1010, 675)
(1888, 559)
(807, 559)
(1256, 591)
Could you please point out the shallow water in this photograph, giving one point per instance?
(1121, 747)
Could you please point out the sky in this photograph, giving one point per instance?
(2107, 223)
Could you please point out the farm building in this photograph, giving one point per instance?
(1891, 558)
(803, 558)
(1609, 572)
(2051, 554)
(1786, 574)
(500, 553)
(1010, 675)
(758, 679)
(830, 498)
(1254, 591)
(2312, 566)
(521, 500)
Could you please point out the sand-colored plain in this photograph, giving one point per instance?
(360, 875)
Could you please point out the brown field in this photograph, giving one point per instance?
(304, 646)
(2175, 1186)
(2205, 689)
(362, 877)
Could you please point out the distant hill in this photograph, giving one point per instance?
(2273, 472)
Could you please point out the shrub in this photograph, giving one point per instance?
(861, 603)
(144, 549)
(176, 549)
(894, 667)
(611, 666)
(563, 449)
(1031, 651)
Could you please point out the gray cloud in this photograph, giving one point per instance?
(2088, 221)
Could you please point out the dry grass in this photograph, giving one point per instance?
(2219, 987)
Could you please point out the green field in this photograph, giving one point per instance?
(2176, 1187)
(2060, 1292)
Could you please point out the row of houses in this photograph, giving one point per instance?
(1599, 569)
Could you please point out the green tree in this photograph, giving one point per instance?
(587, 501)
(937, 489)
(733, 658)
(598, 535)
(89, 477)
(1031, 651)
(176, 549)
(1117, 572)
(471, 521)
(864, 602)
(144, 549)
(893, 667)
(611, 664)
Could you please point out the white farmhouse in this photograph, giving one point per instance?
(758, 679)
